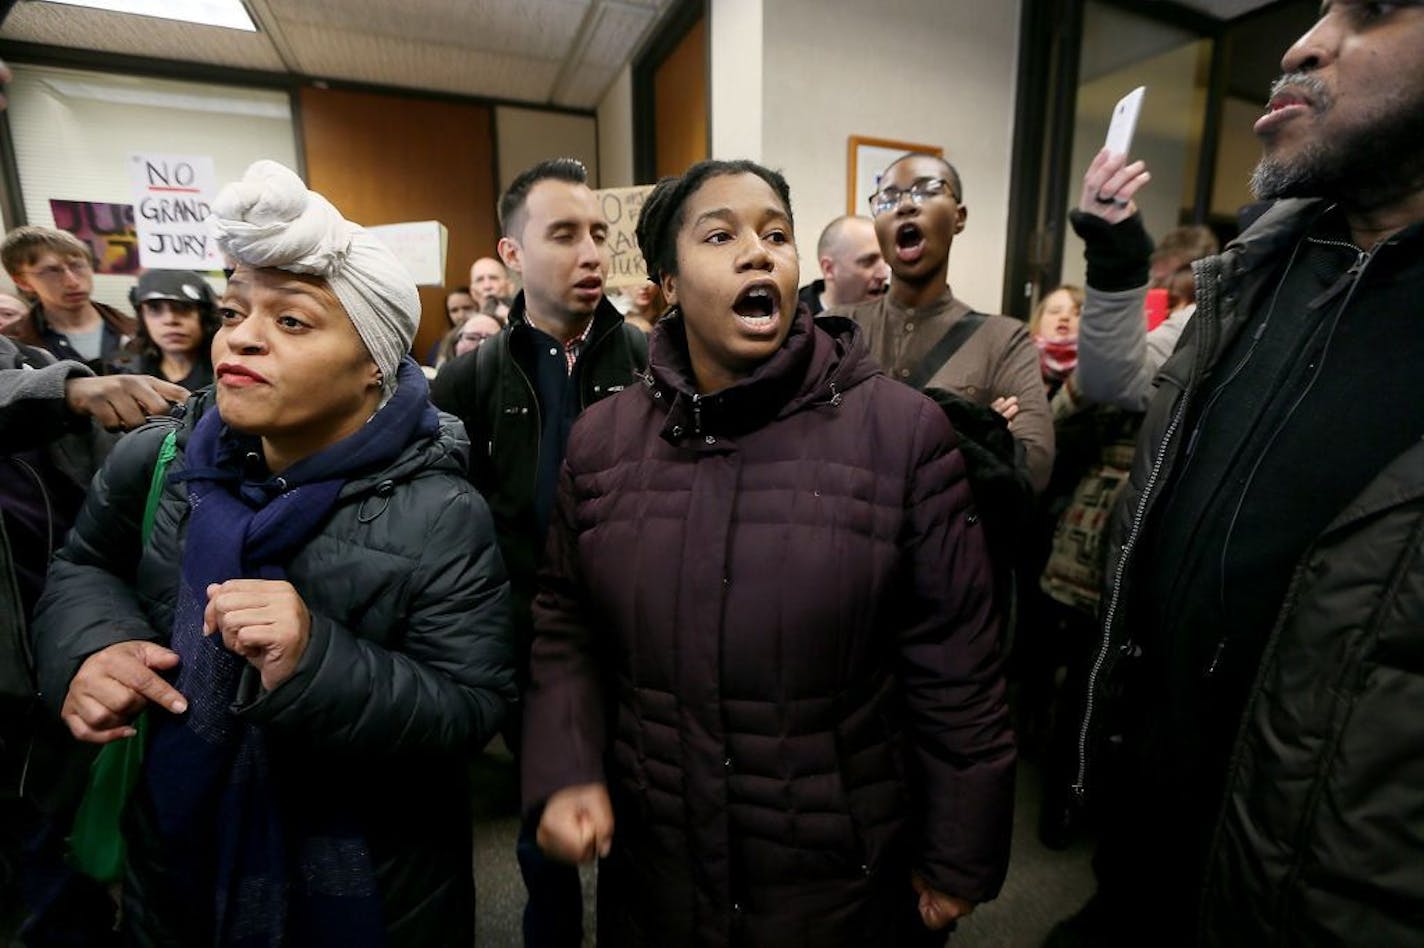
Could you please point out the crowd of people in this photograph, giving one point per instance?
(742, 571)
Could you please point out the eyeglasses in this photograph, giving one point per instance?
(78, 268)
(887, 199)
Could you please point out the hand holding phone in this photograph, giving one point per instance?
(1124, 122)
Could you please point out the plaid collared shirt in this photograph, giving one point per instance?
(574, 347)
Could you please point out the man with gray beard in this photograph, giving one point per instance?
(1258, 686)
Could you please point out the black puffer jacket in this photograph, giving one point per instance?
(408, 669)
(1320, 840)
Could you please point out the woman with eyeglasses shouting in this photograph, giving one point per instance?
(765, 680)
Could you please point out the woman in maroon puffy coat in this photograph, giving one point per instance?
(765, 678)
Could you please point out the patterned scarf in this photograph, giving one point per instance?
(1057, 358)
(253, 871)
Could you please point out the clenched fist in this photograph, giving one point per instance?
(577, 824)
(263, 620)
(937, 910)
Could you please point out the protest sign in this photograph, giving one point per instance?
(621, 207)
(173, 196)
(419, 245)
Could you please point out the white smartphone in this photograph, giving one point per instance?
(1124, 122)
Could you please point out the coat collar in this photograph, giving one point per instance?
(605, 317)
(821, 359)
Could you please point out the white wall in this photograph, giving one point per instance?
(527, 136)
(926, 71)
(74, 131)
(615, 133)
(736, 83)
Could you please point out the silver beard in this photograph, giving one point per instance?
(1363, 167)
(1301, 177)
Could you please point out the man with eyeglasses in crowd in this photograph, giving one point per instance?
(988, 360)
(56, 271)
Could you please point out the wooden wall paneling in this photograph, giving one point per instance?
(680, 103)
(385, 159)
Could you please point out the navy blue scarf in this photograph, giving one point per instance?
(252, 869)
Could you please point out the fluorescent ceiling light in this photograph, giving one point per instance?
(230, 14)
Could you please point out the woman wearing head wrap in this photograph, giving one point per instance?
(765, 683)
(315, 628)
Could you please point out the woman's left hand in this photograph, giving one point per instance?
(264, 621)
(937, 910)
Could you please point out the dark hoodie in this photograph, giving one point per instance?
(766, 623)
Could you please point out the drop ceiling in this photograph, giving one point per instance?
(556, 52)
(1223, 9)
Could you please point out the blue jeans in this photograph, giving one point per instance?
(553, 914)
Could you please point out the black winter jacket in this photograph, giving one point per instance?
(1320, 838)
(503, 421)
(408, 669)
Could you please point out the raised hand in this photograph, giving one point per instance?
(1109, 186)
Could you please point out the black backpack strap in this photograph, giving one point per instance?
(945, 349)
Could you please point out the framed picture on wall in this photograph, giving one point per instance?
(865, 159)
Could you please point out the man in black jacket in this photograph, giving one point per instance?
(1263, 614)
(518, 394)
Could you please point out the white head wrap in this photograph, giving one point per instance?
(270, 219)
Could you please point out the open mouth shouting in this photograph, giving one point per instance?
(909, 242)
(758, 308)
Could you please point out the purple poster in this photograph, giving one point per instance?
(108, 229)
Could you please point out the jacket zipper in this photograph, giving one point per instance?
(1206, 306)
(1079, 781)
(697, 414)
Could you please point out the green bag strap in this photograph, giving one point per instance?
(96, 841)
(166, 450)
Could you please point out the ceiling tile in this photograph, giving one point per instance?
(503, 49)
(586, 86)
(541, 29)
(359, 57)
(616, 34)
(125, 34)
(1225, 9)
